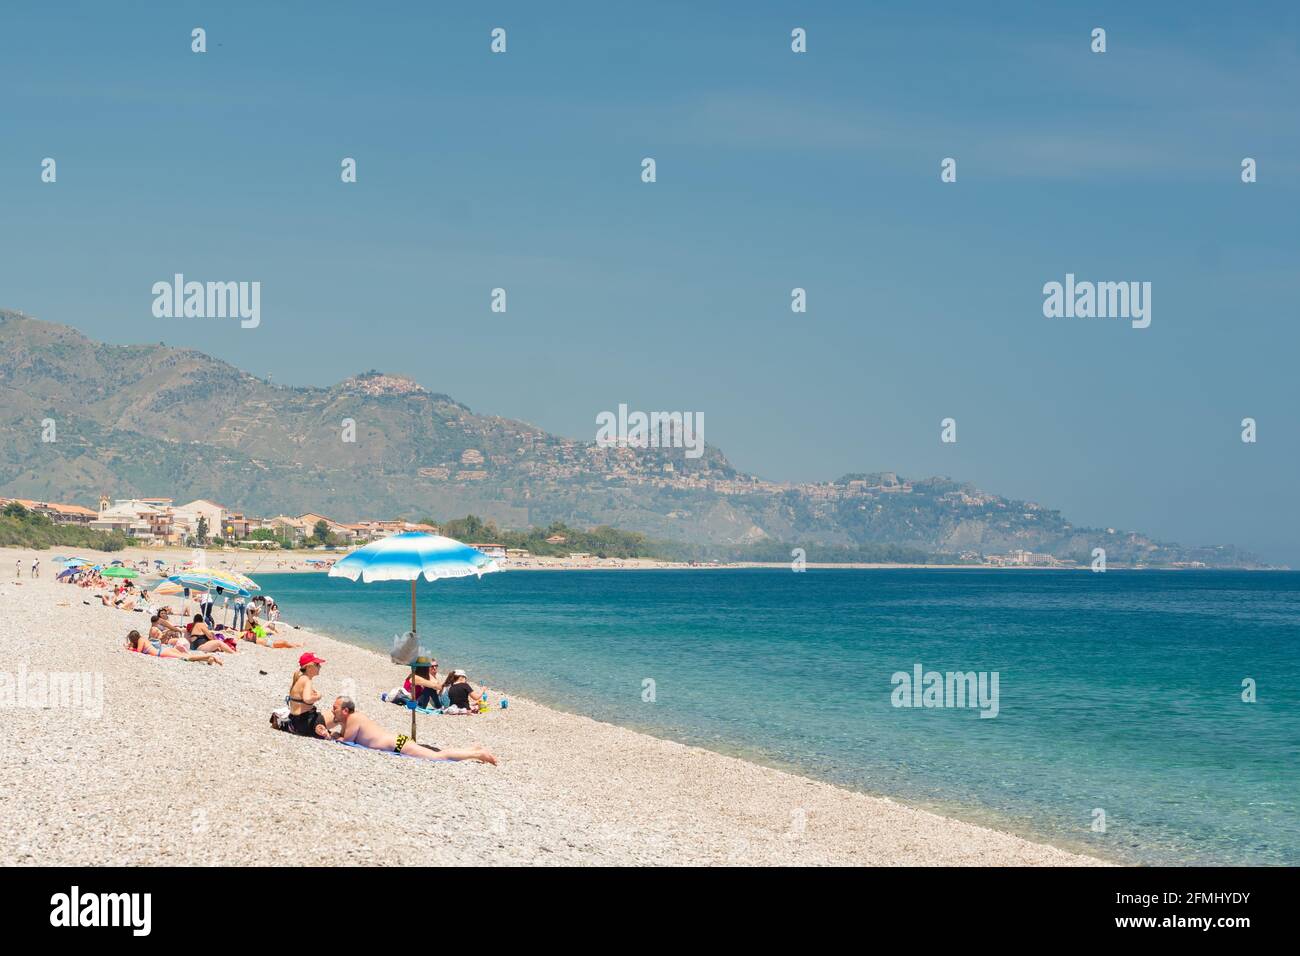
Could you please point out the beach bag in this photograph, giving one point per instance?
(406, 648)
(280, 718)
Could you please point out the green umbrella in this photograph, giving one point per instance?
(120, 572)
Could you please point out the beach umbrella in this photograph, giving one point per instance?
(118, 561)
(66, 573)
(408, 557)
(120, 572)
(75, 562)
(207, 581)
(237, 579)
(59, 557)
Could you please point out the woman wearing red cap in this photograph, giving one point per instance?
(304, 718)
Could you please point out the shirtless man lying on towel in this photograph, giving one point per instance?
(360, 729)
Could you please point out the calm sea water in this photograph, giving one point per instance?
(1119, 691)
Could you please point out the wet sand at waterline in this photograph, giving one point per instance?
(176, 763)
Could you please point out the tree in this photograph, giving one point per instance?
(320, 533)
(202, 533)
(15, 510)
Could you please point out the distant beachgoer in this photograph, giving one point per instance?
(164, 633)
(304, 718)
(164, 621)
(359, 729)
(202, 639)
(239, 613)
(18, 568)
(255, 633)
(138, 644)
(205, 608)
(459, 691)
(36, 568)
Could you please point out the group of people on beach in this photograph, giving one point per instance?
(200, 640)
(347, 724)
(452, 694)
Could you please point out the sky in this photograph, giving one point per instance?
(774, 170)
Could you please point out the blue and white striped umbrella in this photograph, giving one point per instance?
(412, 555)
(409, 557)
(204, 581)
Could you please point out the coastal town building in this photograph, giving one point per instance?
(57, 512)
(186, 517)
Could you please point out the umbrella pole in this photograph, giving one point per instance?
(417, 647)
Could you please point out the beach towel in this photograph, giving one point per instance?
(372, 750)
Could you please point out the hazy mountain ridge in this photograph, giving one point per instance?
(155, 420)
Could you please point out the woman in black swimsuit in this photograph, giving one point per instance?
(304, 718)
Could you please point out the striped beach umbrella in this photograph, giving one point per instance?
(410, 556)
(207, 581)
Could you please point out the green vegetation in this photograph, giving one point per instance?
(321, 534)
(20, 528)
(603, 542)
(607, 542)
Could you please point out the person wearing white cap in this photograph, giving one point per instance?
(459, 691)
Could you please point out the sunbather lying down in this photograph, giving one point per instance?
(141, 645)
(358, 728)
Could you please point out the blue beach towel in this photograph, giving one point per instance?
(392, 753)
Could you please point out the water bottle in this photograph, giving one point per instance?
(483, 702)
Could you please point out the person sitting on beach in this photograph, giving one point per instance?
(266, 625)
(164, 621)
(138, 644)
(120, 598)
(255, 633)
(166, 634)
(357, 728)
(424, 685)
(460, 693)
(202, 639)
(304, 718)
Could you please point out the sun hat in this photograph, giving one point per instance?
(458, 673)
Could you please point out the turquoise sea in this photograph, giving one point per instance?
(1119, 692)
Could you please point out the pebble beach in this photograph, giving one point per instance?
(165, 762)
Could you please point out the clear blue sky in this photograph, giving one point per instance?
(775, 170)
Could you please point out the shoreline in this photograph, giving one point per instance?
(294, 562)
(190, 747)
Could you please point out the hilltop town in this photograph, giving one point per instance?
(86, 417)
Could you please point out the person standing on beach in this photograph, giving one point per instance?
(36, 567)
(360, 729)
(239, 613)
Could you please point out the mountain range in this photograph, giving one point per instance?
(150, 420)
